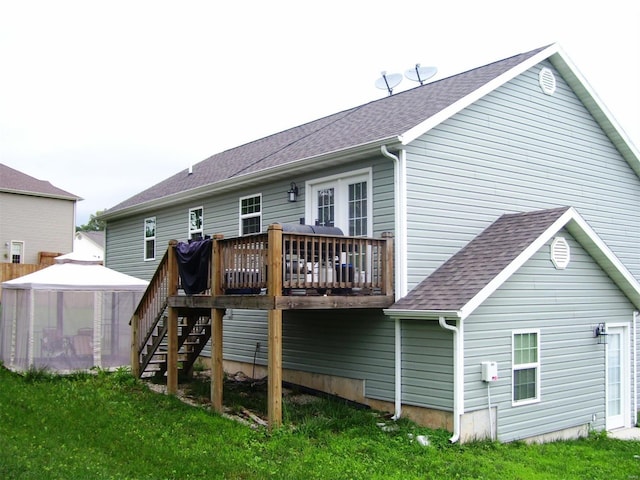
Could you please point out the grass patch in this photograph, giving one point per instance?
(111, 426)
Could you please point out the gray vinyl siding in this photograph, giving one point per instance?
(321, 342)
(352, 344)
(565, 305)
(125, 237)
(427, 365)
(43, 224)
(516, 149)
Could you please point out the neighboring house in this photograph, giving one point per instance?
(37, 219)
(89, 244)
(514, 201)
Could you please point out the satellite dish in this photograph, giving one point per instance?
(388, 82)
(420, 74)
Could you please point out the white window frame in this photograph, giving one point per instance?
(22, 254)
(523, 366)
(190, 231)
(149, 239)
(341, 184)
(246, 216)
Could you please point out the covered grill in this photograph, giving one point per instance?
(306, 229)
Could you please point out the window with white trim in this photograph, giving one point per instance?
(17, 251)
(341, 201)
(526, 366)
(196, 223)
(150, 238)
(251, 214)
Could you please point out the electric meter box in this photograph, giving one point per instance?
(489, 371)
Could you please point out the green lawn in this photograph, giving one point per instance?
(110, 426)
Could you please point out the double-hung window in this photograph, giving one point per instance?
(150, 238)
(251, 214)
(196, 223)
(526, 366)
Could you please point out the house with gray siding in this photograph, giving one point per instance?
(35, 217)
(513, 201)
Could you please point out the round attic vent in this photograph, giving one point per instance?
(560, 253)
(547, 81)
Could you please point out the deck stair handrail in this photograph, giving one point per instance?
(150, 310)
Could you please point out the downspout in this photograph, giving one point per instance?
(635, 367)
(400, 261)
(458, 376)
(400, 213)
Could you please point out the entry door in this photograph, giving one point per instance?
(617, 377)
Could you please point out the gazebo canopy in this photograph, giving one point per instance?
(70, 316)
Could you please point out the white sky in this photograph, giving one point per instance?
(106, 98)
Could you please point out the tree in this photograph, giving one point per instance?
(94, 224)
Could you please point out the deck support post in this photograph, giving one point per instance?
(217, 314)
(135, 358)
(274, 288)
(172, 330)
(217, 370)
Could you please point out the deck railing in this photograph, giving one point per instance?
(307, 264)
(310, 262)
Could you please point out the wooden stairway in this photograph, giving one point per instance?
(150, 325)
(194, 331)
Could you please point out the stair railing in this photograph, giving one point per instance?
(151, 308)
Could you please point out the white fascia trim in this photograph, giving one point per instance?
(421, 314)
(226, 185)
(422, 128)
(607, 260)
(589, 240)
(520, 260)
(579, 84)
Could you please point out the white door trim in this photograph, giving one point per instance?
(621, 420)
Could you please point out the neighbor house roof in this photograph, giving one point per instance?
(468, 278)
(13, 181)
(97, 237)
(393, 121)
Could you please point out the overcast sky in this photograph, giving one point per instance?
(106, 98)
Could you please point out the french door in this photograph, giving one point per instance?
(341, 202)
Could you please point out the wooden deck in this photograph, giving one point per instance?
(313, 272)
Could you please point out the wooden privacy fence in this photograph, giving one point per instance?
(9, 271)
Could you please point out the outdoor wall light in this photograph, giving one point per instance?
(600, 332)
(293, 192)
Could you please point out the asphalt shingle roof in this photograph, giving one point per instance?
(12, 180)
(385, 118)
(464, 275)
